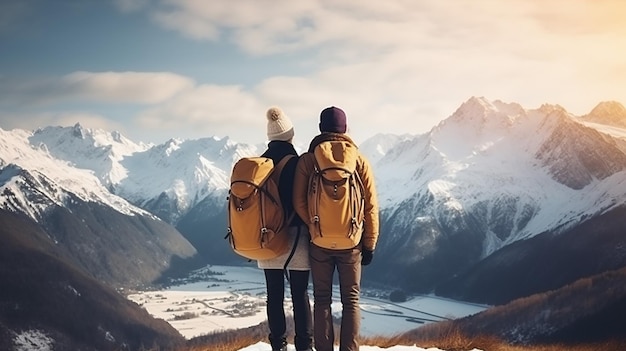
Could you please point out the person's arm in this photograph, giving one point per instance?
(371, 230)
(300, 185)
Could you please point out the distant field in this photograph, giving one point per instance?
(223, 297)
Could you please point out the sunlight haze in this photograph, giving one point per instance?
(161, 69)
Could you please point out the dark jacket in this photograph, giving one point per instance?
(276, 150)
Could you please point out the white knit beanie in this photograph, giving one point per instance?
(279, 126)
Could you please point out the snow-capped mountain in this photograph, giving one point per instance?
(610, 113)
(171, 178)
(495, 202)
(609, 118)
(32, 179)
(379, 145)
(98, 151)
(111, 239)
(539, 165)
(166, 179)
(490, 175)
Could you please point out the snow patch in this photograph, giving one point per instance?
(33, 340)
(72, 290)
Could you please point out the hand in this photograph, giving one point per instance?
(366, 257)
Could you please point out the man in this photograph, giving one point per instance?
(340, 254)
(280, 133)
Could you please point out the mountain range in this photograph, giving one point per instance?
(488, 180)
(495, 194)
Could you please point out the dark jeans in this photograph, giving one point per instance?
(299, 282)
(348, 265)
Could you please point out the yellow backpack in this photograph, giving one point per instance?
(256, 219)
(335, 197)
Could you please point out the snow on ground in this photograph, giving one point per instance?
(223, 297)
(32, 340)
(261, 346)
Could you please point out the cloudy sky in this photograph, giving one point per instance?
(160, 69)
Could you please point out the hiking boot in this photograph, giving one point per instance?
(282, 348)
(278, 345)
(303, 344)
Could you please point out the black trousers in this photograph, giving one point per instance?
(303, 321)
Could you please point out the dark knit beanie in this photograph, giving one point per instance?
(333, 119)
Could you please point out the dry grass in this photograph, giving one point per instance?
(440, 335)
(226, 345)
(445, 336)
(448, 337)
(230, 340)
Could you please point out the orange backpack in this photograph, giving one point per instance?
(335, 197)
(256, 219)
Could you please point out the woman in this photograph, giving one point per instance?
(280, 135)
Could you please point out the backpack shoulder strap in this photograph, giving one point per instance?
(278, 169)
(275, 175)
(293, 251)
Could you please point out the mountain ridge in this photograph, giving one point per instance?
(490, 174)
(611, 113)
(45, 292)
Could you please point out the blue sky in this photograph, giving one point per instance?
(160, 69)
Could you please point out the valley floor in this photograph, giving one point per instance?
(223, 297)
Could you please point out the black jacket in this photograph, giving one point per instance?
(276, 150)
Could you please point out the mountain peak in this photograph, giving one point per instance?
(480, 106)
(479, 113)
(611, 113)
(609, 108)
(476, 104)
(549, 108)
(78, 131)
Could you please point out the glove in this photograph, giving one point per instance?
(366, 257)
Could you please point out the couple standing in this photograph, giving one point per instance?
(321, 262)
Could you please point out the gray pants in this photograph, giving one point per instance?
(348, 265)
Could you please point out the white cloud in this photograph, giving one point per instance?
(132, 87)
(463, 47)
(356, 28)
(361, 25)
(109, 87)
(188, 24)
(208, 110)
(397, 68)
